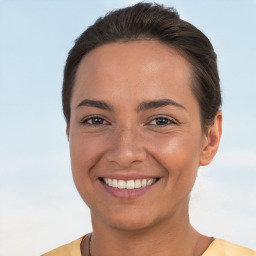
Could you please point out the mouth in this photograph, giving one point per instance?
(129, 184)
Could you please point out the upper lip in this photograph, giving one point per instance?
(128, 176)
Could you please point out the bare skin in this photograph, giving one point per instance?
(134, 116)
(197, 244)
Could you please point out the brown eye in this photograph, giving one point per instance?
(161, 121)
(94, 121)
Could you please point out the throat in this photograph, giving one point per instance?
(140, 243)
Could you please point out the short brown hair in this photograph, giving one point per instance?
(146, 21)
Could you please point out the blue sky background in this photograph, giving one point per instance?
(40, 208)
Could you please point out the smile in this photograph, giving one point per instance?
(128, 184)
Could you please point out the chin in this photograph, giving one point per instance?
(130, 225)
(128, 220)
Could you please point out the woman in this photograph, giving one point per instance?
(141, 98)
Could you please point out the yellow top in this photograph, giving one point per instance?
(218, 247)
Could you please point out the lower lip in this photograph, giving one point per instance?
(127, 193)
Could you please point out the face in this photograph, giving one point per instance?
(135, 124)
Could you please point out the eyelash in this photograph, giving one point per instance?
(168, 121)
(89, 121)
(94, 118)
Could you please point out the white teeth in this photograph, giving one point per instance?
(121, 184)
(114, 183)
(149, 182)
(144, 183)
(137, 184)
(129, 184)
(110, 182)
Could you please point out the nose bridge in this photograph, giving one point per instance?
(126, 146)
(127, 138)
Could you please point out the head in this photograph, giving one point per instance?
(146, 21)
(141, 98)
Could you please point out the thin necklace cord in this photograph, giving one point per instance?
(90, 238)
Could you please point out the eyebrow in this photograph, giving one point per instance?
(146, 105)
(157, 104)
(96, 104)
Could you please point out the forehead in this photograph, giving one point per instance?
(146, 68)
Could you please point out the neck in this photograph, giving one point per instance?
(174, 235)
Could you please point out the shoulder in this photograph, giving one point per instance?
(220, 247)
(70, 249)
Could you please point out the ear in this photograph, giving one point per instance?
(67, 131)
(211, 140)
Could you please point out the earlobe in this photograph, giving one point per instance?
(211, 140)
(67, 131)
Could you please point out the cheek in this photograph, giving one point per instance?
(178, 153)
(84, 153)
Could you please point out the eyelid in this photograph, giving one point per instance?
(172, 120)
(85, 119)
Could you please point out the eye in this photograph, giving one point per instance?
(94, 121)
(162, 121)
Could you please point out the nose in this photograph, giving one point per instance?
(127, 148)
